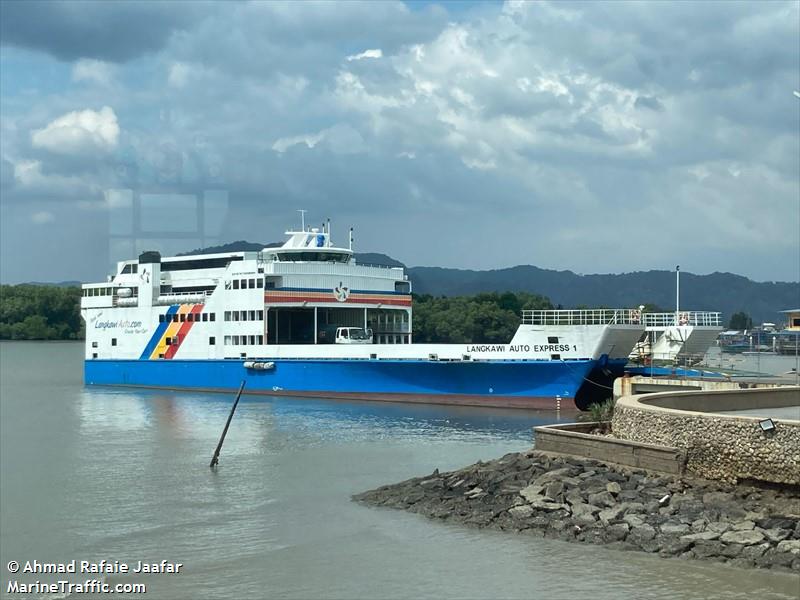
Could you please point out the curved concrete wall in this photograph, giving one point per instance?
(725, 447)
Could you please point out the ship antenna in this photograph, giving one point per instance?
(351, 238)
(302, 212)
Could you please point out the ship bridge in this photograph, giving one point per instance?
(312, 286)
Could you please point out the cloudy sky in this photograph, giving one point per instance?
(596, 137)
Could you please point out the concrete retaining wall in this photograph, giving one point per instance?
(641, 384)
(724, 447)
(574, 439)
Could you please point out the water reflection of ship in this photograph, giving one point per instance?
(259, 422)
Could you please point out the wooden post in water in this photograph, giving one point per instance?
(215, 458)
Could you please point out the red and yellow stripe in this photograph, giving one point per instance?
(180, 329)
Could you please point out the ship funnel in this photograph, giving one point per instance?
(149, 257)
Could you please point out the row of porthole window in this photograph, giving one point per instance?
(245, 284)
(190, 317)
(96, 292)
(244, 315)
(244, 340)
(174, 341)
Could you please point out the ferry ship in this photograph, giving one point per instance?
(305, 319)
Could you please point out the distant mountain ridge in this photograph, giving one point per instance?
(724, 292)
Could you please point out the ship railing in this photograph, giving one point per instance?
(197, 293)
(376, 265)
(184, 297)
(694, 318)
(598, 316)
(328, 268)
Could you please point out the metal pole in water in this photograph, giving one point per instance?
(677, 294)
(215, 458)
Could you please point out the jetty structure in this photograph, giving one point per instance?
(305, 319)
(682, 337)
(787, 341)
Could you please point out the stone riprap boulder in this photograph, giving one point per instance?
(586, 501)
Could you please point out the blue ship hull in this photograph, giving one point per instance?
(517, 384)
(598, 386)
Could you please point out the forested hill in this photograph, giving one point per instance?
(724, 292)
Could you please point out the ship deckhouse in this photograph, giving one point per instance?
(311, 285)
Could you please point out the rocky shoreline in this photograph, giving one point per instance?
(586, 501)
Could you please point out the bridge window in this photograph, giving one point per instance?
(199, 263)
(212, 341)
(236, 284)
(213, 317)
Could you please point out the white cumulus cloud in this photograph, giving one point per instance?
(309, 139)
(339, 139)
(374, 53)
(79, 131)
